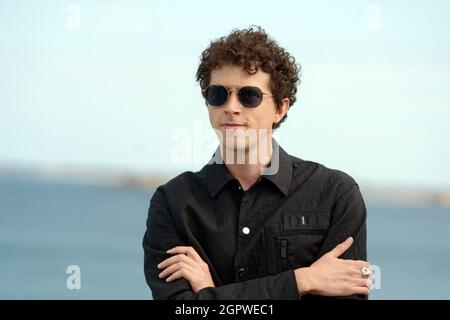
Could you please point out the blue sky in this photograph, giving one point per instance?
(112, 90)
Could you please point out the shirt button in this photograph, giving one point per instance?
(246, 230)
(240, 188)
(242, 273)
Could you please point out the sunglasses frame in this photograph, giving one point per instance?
(237, 92)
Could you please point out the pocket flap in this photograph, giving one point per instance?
(306, 220)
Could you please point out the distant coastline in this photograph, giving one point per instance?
(406, 195)
(402, 195)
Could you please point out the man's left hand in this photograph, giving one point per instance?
(189, 265)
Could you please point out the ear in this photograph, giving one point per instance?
(281, 111)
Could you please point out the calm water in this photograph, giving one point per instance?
(47, 226)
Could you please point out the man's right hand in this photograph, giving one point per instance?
(331, 276)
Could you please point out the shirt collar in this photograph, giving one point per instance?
(216, 174)
(279, 172)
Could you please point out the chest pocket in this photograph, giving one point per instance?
(296, 241)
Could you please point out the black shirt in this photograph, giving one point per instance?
(253, 240)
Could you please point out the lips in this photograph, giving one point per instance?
(232, 125)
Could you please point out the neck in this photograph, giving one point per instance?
(247, 170)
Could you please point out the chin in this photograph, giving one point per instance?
(231, 144)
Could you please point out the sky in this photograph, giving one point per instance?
(112, 84)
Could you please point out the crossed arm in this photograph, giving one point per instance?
(328, 276)
(336, 273)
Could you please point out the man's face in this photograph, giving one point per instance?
(233, 119)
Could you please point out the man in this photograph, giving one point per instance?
(255, 222)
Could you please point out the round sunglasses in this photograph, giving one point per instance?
(249, 97)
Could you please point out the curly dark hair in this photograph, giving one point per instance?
(252, 48)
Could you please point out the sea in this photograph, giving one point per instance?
(66, 240)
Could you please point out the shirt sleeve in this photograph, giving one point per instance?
(348, 220)
(161, 235)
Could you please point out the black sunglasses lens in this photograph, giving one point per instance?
(250, 97)
(216, 95)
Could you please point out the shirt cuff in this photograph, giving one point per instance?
(283, 286)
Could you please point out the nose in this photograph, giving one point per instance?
(232, 106)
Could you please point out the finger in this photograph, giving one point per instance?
(169, 261)
(173, 268)
(189, 251)
(358, 267)
(183, 273)
(174, 259)
(342, 247)
(175, 275)
(361, 290)
(359, 264)
(364, 283)
(355, 273)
